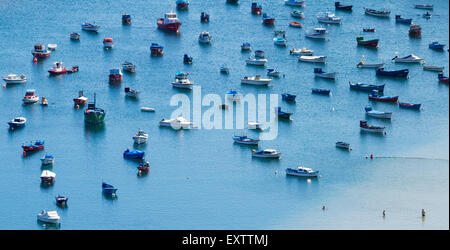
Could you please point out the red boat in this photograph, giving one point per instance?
(57, 69)
(182, 4)
(415, 30)
(47, 176)
(40, 51)
(442, 78)
(169, 22)
(80, 100)
(267, 19)
(36, 146)
(375, 97)
(369, 30)
(115, 75)
(256, 8)
(144, 167)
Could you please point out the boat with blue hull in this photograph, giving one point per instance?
(18, 122)
(90, 27)
(108, 189)
(436, 45)
(135, 154)
(400, 19)
(281, 114)
(243, 139)
(320, 91)
(393, 73)
(366, 87)
(288, 97)
(409, 105)
(374, 96)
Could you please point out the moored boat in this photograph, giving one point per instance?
(298, 3)
(204, 37)
(131, 92)
(370, 128)
(18, 122)
(415, 30)
(281, 114)
(378, 13)
(245, 46)
(144, 167)
(115, 75)
(135, 154)
(280, 41)
(74, 36)
(259, 53)
(15, 79)
(33, 146)
(273, 73)
(141, 137)
(366, 87)
(320, 91)
(58, 68)
(256, 62)
(313, 59)
(363, 64)
(302, 172)
(400, 19)
(268, 19)
(94, 115)
(61, 200)
(30, 97)
(436, 45)
(80, 100)
(187, 59)
(156, 49)
(288, 97)
(266, 153)
(47, 159)
(47, 176)
(204, 17)
(147, 109)
(409, 105)
(108, 43)
(301, 52)
(224, 69)
(108, 189)
(255, 125)
(243, 139)
(256, 8)
(128, 67)
(295, 24)
(297, 14)
(318, 72)
(424, 6)
(377, 114)
(369, 30)
(182, 4)
(317, 33)
(368, 43)
(176, 123)
(340, 6)
(374, 96)
(256, 80)
(344, 145)
(49, 217)
(40, 51)
(393, 73)
(182, 83)
(169, 22)
(233, 95)
(126, 19)
(329, 18)
(442, 78)
(433, 68)
(407, 59)
(90, 27)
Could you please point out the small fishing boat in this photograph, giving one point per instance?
(40, 51)
(204, 37)
(313, 59)
(30, 97)
(141, 137)
(297, 14)
(108, 43)
(108, 189)
(415, 30)
(256, 62)
(344, 145)
(374, 96)
(44, 101)
(256, 80)
(18, 122)
(90, 27)
(424, 6)
(369, 30)
(368, 43)
(144, 167)
(135, 154)
(288, 97)
(259, 53)
(182, 83)
(281, 114)
(366, 87)
(267, 19)
(256, 8)
(115, 75)
(94, 115)
(298, 3)
(49, 217)
(246, 46)
(128, 67)
(47, 176)
(255, 125)
(72, 70)
(279, 32)
(126, 19)
(436, 45)
(170, 22)
(442, 78)
(80, 100)
(409, 105)
(273, 73)
(433, 68)
(295, 24)
(187, 59)
(370, 128)
(378, 13)
(52, 46)
(393, 73)
(12, 79)
(266, 153)
(156, 49)
(61, 200)
(329, 18)
(131, 92)
(147, 109)
(57, 69)
(176, 123)
(233, 95)
(74, 36)
(233, 1)
(32, 147)
(377, 114)
(47, 159)
(318, 72)
(400, 19)
(224, 69)
(320, 91)
(301, 52)
(302, 172)
(363, 64)
(182, 4)
(407, 59)
(340, 6)
(317, 33)
(204, 17)
(427, 15)
(243, 139)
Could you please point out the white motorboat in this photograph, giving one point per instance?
(147, 109)
(280, 41)
(204, 37)
(407, 59)
(141, 137)
(433, 68)
(30, 97)
(344, 145)
(294, 2)
(329, 18)
(49, 217)
(317, 33)
(15, 79)
(182, 83)
(301, 52)
(47, 159)
(256, 62)
(377, 114)
(302, 172)
(131, 92)
(176, 123)
(273, 73)
(313, 59)
(266, 153)
(318, 72)
(256, 80)
(363, 64)
(255, 125)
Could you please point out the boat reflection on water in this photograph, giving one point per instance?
(49, 226)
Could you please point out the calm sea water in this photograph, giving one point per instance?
(199, 179)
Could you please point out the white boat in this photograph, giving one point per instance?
(407, 59)
(17, 122)
(15, 79)
(49, 217)
(256, 80)
(280, 41)
(317, 33)
(302, 172)
(176, 123)
(259, 53)
(233, 95)
(141, 137)
(294, 2)
(329, 18)
(147, 109)
(313, 59)
(47, 159)
(297, 14)
(131, 92)
(255, 125)
(379, 13)
(182, 83)
(302, 52)
(204, 37)
(273, 73)
(433, 68)
(318, 72)
(47, 176)
(266, 153)
(52, 46)
(341, 144)
(256, 62)
(377, 114)
(363, 64)
(371, 128)
(243, 139)
(30, 97)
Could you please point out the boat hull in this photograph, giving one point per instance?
(168, 26)
(384, 99)
(293, 172)
(396, 73)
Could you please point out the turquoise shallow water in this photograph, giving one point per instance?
(199, 179)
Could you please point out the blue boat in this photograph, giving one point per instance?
(187, 59)
(399, 19)
(126, 19)
(243, 139)
(288, 97)
(409, 105)
(135, 154)
(90, 27)
(393, 73)
(18, 122)
(366, 87)
(108, 189)
(156, 49)
(321, 91)
(282, 114)
(436, 45)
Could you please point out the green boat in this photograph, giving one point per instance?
(94, 115)
(369, 43)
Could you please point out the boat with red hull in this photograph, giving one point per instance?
(57, 69)
(368, 43)
(442, 78)
(182, 4)
(375, 97)
(115, 75)
(267, 19)
(256, 8)
(32, 147)
(169, 22)
(40, 51)
(80, 100)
